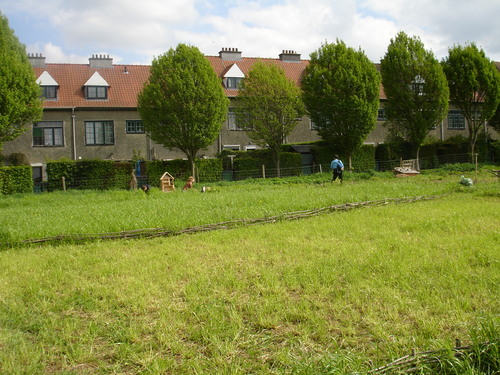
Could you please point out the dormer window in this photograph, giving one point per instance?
(96, 92)
(96, 88)
(233, 77)
(233, 82)
(48, 86)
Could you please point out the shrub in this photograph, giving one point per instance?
(17, 159)
(16, 180)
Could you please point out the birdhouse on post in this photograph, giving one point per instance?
(167, 182)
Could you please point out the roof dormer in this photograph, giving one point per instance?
(96, 87)
(48, 85)
(233, 77)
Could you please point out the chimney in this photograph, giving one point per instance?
(230, 54)
(36, 60)
(289, 56)
(100, 61)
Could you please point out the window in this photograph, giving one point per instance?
(381, 115)
(314, 126)
(96, 92)
(231, 120)
(417, 86)
(134, 127)
(456, 120)
(49, 92)
(233, 82)
(231, 147)
(48, 134)
(99, 133)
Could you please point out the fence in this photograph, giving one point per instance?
(263, 172)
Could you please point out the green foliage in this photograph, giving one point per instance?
(183, 105)
(363, 159)
(269, 105)
(88, 174)
(416, 90)
(17, 179)
(17, 159)
(20, 104)
(474, 83)
(341, 93)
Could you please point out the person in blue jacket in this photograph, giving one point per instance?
(337, 167)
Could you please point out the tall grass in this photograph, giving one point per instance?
(333, 294)
(90, 212)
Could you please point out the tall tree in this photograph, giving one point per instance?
(20, 102)
(416, 90)
(341, 93)
(474, 83)
(269, 105)
(183, 104)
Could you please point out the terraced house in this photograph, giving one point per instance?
(90, 111)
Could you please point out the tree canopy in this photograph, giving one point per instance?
(341, 93)
(416, 90)
(183, 104)
(474, 83)
(269, 106)
(20, 102)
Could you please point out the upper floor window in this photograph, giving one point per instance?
(456, 120)
(417, 86)
(99, 133)
(381, 115)
(134, 127)
(231, 120)
(48, 134)
(49, 92)
(96, 92)
(233, 82)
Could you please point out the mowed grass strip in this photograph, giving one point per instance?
(332, 291)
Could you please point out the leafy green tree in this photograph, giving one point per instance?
(269, 105)
(474, 83)
(341, 93)
(416, 90)
(20, 102)
(183, 104)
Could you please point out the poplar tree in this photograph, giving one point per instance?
(416, 90)
(474, 83)
(269, 106)
(183, 104)
(20, 103)
(341, 92)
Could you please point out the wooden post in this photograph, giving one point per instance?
(475, 161)
(263, 171)
(63, 181)
(320, 168)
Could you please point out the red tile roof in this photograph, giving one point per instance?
(126, 81)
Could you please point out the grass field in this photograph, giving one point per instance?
(333, 294)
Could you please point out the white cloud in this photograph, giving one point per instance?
(132, 30)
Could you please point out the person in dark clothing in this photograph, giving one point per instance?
(337, 167)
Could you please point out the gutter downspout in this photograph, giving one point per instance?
(442, 130)
(73, 127)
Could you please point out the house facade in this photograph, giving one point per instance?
(90, 111)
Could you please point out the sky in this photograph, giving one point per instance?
(137, 31)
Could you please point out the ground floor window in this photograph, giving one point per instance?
(456, 120)
(134, 127)
(99, 133)
(48, 134)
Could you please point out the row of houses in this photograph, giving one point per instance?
(90, 111)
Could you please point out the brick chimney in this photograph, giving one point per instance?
(289, 56)
(230, 54)
(101, 61)
(36, 60)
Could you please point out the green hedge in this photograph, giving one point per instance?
(89, 174)
(16, 180)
